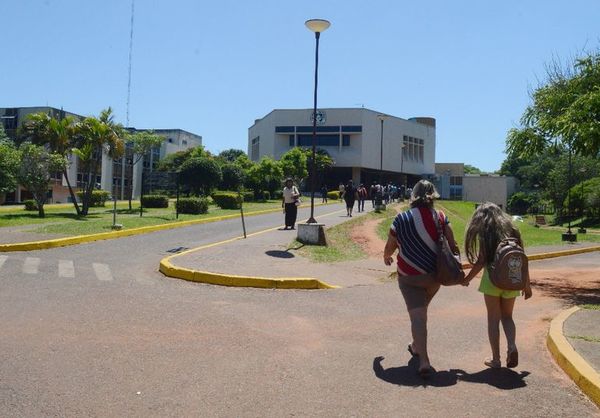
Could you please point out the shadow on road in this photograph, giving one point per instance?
(571, 293)
(505, 379)
(279, 254)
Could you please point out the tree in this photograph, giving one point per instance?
(233, 176)
(201, 175)
(172, 162)
(230, 155)
(266, 175)
(9, 163)
(143, 142)
(36, 167)
(95, 136)
(57, 134)
(566, 109)
(293, 164)
(469, 169)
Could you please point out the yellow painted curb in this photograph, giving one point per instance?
(170, 270)
(567, 358)
(80, 239)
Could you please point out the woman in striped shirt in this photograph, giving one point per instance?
(414, 234)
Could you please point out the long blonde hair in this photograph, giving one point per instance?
(488, 226)
(423, 194)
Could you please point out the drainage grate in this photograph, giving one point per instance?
(177, 250)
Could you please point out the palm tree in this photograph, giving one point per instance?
(95, 136)
(57, 134)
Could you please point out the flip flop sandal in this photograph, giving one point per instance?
(494, 364)
(512, 359)
(412, 353)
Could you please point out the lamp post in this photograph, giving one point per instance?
(317, 26)
(581, 229)
(569, 236)
(402, 169)
(381, 119)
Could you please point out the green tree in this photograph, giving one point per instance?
(172, 162)
(233, 176)
(201, 175)
(35, 169)
(9, 163)
(293, 164)
(95, 136)
(230, 155)
(565, 109)
(143, 142)
(469, 169)
(266, 175)
(57, 134)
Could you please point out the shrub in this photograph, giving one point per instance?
(98, 198)
(519, 203)
(192, 205)
(277, 195)
(248, 196)
(333, 195)
(155, 201)
(227, 200)
(265, 195)
(30, 205)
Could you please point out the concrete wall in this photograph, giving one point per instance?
(495, 189)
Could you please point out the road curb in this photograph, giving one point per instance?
(80, 239)
(567, 358)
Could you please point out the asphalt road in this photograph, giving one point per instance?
(95, 330)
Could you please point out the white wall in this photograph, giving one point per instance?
(495, 189)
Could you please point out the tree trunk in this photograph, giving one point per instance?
(72, 193)
(41, 212)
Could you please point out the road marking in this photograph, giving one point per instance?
(31, 265)
(2, 260)
(66, 268)
(102, 272)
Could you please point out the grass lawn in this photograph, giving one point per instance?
(61, 219)
(341, 247)
(460, 212)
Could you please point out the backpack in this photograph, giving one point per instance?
(510, 269)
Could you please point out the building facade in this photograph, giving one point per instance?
(119, 176)
(353, 138)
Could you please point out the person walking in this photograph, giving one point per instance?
(290, 201)
(414, 234)
(350, 196)
(362, 196)
(342, 188)
(373, 193)
(324, 194)
(488, 226)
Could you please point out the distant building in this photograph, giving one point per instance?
(116, 176)
(352, 137)
(453, 183)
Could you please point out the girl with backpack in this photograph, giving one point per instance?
(486, 229)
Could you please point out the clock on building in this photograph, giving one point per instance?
(321, 117)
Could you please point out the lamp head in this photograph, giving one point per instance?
(317, 25)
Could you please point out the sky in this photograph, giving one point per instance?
(213, 67)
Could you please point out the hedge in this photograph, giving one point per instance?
(264, 195)
(192, 205)
(277, 195)
(98, 199)
(248, 196)
(155, 201)
(334, 195)
(227, 200)
(30, 205)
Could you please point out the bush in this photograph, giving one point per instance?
(519, 203)
(333, 195)
(30, 205)
(265, 195)
(227, 200)
(98, 198)
(248, 196)
(155, 201)
(192, 205)
(277, 195)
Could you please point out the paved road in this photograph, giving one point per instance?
(94, 330)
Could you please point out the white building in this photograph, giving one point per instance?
(115, 176)
(353, 138)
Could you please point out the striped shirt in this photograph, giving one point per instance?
(416, 233)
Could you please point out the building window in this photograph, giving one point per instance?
(255, 148)
(292, 140)
(414, 148)
(323, 140)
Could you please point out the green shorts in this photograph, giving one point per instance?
(487, 288)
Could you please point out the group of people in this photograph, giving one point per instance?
(414, 233)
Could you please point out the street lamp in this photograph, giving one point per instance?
(381, 118)
(581, 229)
(402, 168)
(569, 236)
(317, 26)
